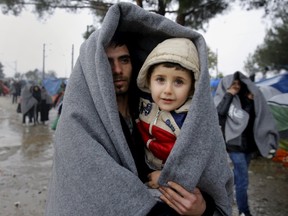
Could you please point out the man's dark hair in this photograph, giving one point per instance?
(118, 39)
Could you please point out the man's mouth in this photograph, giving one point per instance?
(119, 82)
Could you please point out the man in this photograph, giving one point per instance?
(96, 170)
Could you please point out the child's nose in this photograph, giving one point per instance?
(168, 88)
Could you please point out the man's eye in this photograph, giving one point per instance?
(125, 60)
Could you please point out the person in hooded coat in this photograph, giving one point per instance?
(94, 172)
(45, 105)
(248, 128)
(28, 104)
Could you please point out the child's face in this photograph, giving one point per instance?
(169, 87)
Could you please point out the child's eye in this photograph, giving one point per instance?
(179, 82)
(160, 79)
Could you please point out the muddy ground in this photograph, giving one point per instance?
(26, 160)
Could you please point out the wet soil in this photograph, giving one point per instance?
(26, 159)
(25, 162)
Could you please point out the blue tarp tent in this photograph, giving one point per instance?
(214, 84)
(279, 82)
(52, 85)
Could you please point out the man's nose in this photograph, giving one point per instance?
(117, 69)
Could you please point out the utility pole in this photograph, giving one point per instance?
(15, 67)
(43, 75)
(72, 61)
(217, 72)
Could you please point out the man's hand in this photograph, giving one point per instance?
(182, 201)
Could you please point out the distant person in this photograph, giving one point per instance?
(58, 104)
(4, 90)
(248, 127)
(36, 93)
(15, 91)
(45, 105)
(28, 105)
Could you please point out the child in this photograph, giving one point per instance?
(167, 79)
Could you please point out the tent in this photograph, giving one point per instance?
(269, 91)
(278, 82)
(275, 90)
(53, 85)
(279, 108)
(214, 84)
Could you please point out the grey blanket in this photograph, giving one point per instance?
(265, 131)
(93, 169)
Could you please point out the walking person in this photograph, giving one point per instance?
(28, 105)
(248, 128)
(15, 91)
(45, 105)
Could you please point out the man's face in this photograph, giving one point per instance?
(120, 62)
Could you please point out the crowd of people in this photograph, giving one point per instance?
(33, 101)
(35, 104)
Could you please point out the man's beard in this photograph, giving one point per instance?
(121, 89)
(120, 92)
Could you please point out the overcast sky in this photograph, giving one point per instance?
(22, 39)
(233, 35)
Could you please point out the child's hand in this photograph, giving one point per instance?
(153, 179)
